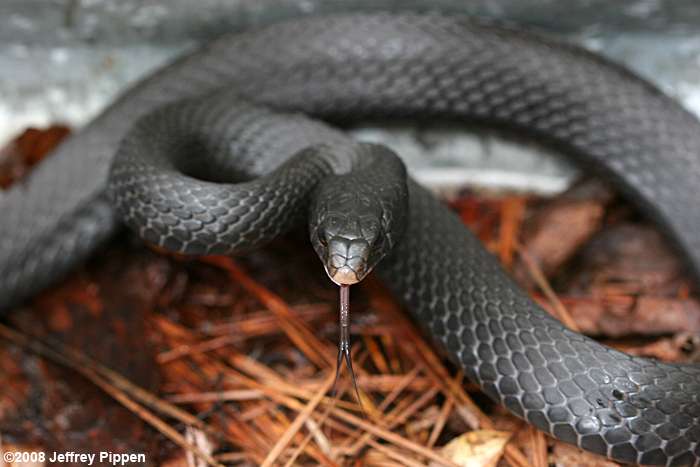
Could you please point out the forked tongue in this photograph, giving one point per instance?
(344, 344)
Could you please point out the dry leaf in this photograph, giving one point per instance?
(482, 448)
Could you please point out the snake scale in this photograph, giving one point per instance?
(256, 95)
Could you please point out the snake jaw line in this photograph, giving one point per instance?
(342, 277)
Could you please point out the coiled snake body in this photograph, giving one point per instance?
(344, 68)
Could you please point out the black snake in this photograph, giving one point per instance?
(243, 95)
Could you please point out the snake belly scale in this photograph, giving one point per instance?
(350, 67)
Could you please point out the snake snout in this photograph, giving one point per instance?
(347, 260)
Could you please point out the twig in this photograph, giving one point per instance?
(511, 217)
(298, 422)
(539, 447)
(296, 330)
(534, 270)
(440, 422)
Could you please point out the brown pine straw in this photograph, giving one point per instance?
(539, 447)
(297, 331)
(237, 332)
(314, 432)
(280, 385)
(533, 269)
(512, 210)
(280, 417)
(105, 379)
(298, 422)
(248, 381)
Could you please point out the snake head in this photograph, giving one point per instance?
(357, 217)
(349, 240)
